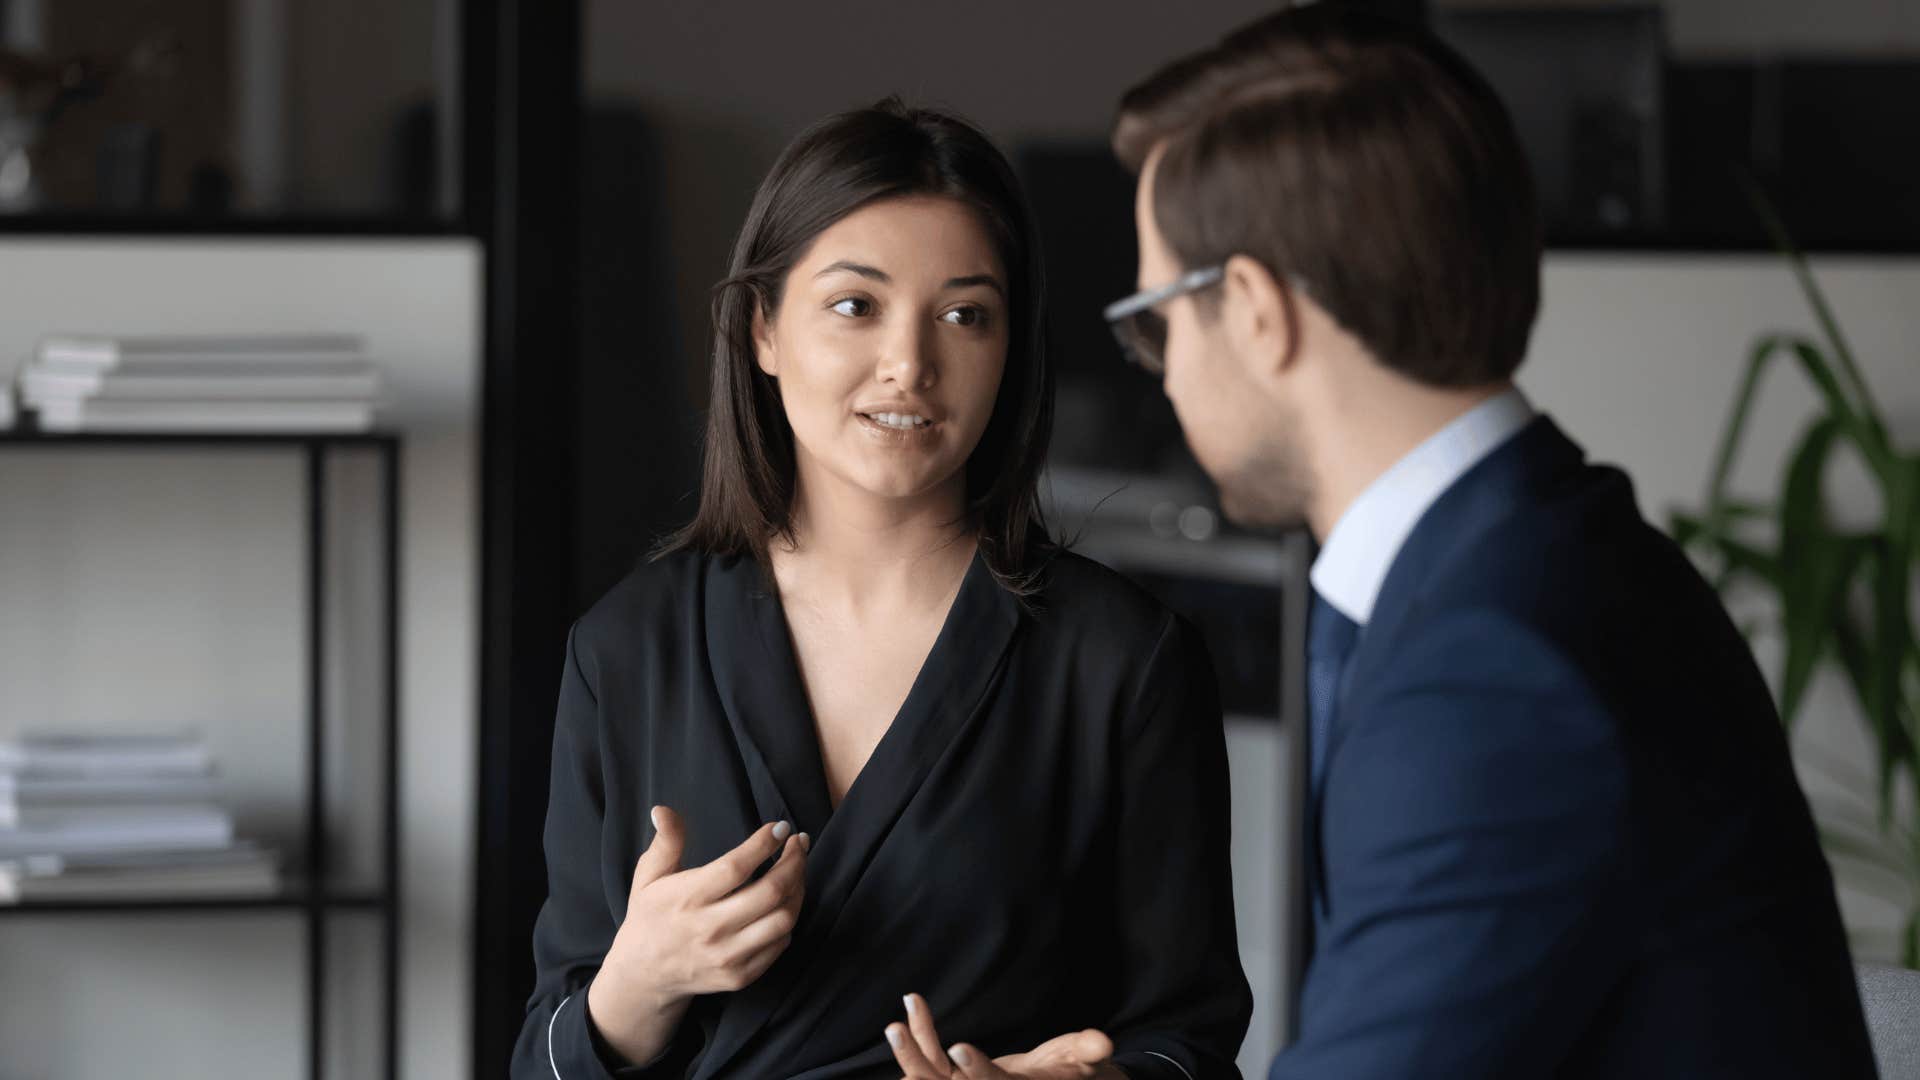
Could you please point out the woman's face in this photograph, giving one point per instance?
(888, 344)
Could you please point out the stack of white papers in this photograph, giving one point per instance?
(119, 816)
(304, 383)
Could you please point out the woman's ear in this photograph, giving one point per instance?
(1258, 318)
(763, 341)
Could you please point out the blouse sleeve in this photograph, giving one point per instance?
(575, 926)
(1185, 1002)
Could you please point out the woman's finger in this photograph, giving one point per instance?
(1088, 1047)
(781, 887)
(912, 1062)
(662, 856)
(975, 1065)
(765, 930)
(920, 1022)
(756, 963)
(727, 873)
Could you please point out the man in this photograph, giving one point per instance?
(1552, 827)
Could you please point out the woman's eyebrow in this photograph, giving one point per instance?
(865, 271)
(848, 266)
(988, 280)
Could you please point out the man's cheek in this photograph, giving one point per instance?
(1185, 386)
(1176, 388)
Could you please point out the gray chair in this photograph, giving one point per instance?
(1892, 1000)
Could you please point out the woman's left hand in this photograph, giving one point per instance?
(1082, 1055)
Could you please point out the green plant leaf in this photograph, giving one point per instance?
(1816, 299)
(1843, 596)
(1817, 566)
(1865, 433)
(1684, 527)
(1727, 559)
(1747, 559)
(1895, 617)
(1758, 359)
(1893, 645)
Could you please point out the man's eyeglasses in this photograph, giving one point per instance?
(1141, 329)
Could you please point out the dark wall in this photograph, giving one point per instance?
(637, 419)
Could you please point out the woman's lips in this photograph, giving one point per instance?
(891, 435)
(901, 421)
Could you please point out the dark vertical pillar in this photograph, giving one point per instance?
(521, 112)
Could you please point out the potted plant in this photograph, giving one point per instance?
(1843, 592)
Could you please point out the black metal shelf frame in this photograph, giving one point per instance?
(314, 904)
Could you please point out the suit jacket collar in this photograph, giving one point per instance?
(1361, 548)
(1465, 516)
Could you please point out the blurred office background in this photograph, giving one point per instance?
(520, 207)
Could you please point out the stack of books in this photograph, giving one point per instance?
(120, 817)
(322, 383)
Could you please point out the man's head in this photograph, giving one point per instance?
(1364, 192)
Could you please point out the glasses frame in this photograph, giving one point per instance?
(1121, 315)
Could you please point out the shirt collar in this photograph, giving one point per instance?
(1354, 561)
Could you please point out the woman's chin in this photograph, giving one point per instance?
(895, 485)
(886, 475)
(901, 491)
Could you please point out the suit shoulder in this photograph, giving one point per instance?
(1585, 578)
(1580, 548)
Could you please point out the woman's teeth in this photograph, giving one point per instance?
(902, 421)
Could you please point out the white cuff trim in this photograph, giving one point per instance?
(552, 1064)
(1155, 1053)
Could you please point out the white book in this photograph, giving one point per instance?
(107, 351)
(34, 792)
(248, 883)
(356, 380)
(41, 788)
(98, 829)
(106, 755)
(98, 414)
(237, 853)
(238, 871)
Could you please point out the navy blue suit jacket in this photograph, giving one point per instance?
(1559, 833)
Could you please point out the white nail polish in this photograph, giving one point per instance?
(653, 815)
(893, 1036)
(911, 1008)
(782, 830)
(959, 1056)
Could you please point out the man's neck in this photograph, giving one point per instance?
(1368, 427)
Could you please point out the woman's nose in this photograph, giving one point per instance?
(907, 358)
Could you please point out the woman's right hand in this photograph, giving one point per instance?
(691, 932)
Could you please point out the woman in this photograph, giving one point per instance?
(983, 771)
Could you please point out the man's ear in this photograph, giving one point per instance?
(1259, 320)
(763, 341)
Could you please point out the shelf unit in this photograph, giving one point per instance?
(297, 895)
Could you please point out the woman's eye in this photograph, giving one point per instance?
(852, 307)
(965, 316)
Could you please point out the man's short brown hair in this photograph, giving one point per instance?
(1363, 157)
